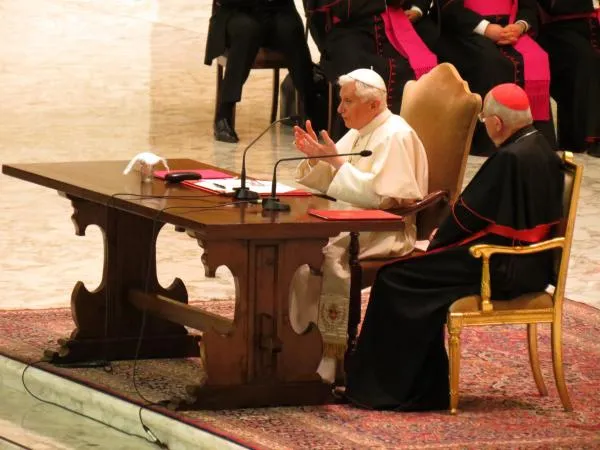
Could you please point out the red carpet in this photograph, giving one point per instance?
(500, 407)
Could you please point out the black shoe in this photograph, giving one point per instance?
(594, 150)
(224, 132)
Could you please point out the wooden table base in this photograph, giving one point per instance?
(108, 327)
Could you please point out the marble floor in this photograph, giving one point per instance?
(92, 80)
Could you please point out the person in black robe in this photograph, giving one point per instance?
(242, 27)
(350, 35)
(477, 46)
(400, 361)
(571, 36)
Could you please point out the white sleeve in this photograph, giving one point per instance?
(399, 171)
(480, 28)
(317, 177)
(524, 22)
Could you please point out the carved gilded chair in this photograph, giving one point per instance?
(443, 112)
(529, 309)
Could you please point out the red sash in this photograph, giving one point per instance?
(490, 7)
(403, 37)
(537, 64)
(533, 235)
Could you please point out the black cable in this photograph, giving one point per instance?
(151, 255)
(13, 443)
(33, 364)
(107, 363)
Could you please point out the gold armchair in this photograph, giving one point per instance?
(443, 112)
(530, 309)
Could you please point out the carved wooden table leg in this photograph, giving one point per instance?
(107, 325)
(261, 361)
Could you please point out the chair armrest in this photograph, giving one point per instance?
(485, 251)
(430, 199)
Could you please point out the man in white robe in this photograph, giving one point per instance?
(395, 174)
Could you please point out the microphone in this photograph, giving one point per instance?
(272, 203)
(243, 193)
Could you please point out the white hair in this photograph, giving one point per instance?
(364, 91)
(510, 117)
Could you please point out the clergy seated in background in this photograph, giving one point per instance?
(396, 173)
(571, 36)
(243, 26)
(400, 361)
(387, 36)
(490, 43)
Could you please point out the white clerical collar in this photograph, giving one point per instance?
(377, 121)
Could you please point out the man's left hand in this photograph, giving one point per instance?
(412, 15)
(511, 34)
(307, 142)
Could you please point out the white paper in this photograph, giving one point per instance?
(227, 186)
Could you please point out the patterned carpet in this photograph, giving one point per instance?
(500, 407)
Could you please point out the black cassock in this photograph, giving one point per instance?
(400, 361)
(574, 49)
(350, 35)
(480, 61)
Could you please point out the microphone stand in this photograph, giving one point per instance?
(272, 203)
(243, 193)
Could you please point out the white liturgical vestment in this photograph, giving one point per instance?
(395, 174)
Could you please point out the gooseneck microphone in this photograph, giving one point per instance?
(243, 193)
(272, 203)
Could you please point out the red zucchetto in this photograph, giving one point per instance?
(511, 96)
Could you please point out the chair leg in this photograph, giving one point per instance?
(330, 107)
(557, 364)
(454, 330)
(354, 306)
(534, 359)
(218, 93)
(275, 101)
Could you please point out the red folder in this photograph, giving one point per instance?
(207, 174)
(354, 214)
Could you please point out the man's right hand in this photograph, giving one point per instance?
(494, 32)
(308, 143)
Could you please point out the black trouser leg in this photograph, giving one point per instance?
(287, 36)
(244, 35)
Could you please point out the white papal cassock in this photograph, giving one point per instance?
(395, 174)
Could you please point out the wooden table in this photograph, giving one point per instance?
(256, 359)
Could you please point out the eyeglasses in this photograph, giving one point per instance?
(481, 117)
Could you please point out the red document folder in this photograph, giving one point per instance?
(207, 174)
(353, 214)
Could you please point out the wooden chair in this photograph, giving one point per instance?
(530, 309)
(443, 112)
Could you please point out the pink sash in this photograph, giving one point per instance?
(490, 7)
(403, 37)
(537, 65)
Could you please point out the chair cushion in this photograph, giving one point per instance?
(265, 59)
(534, 300)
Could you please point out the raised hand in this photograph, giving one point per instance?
(308, 143)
